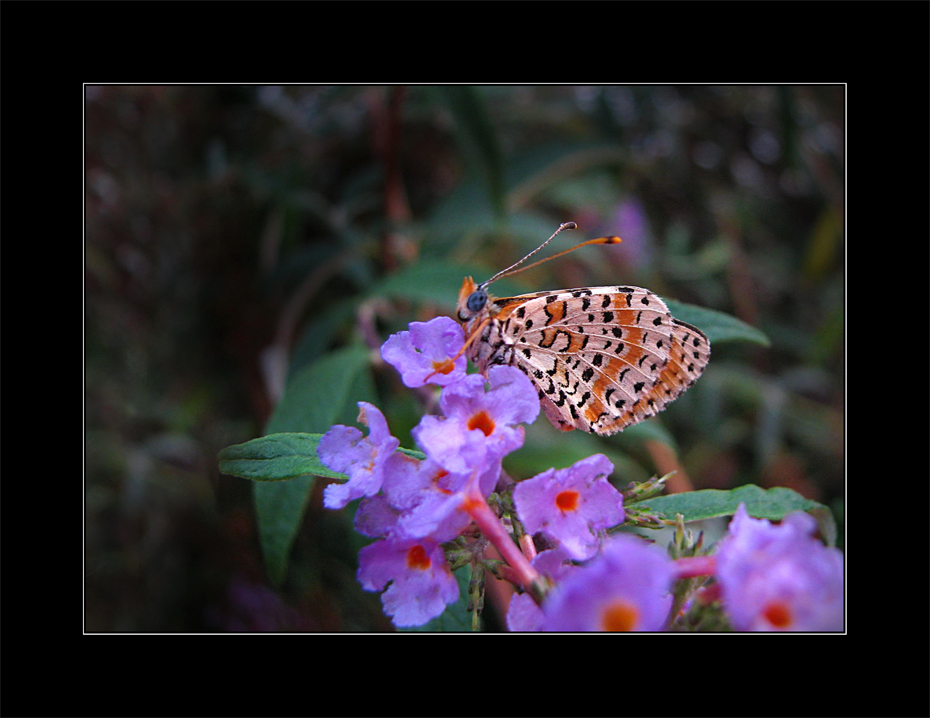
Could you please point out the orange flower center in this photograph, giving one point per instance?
(778, 614)
(482, 421)
(567, 500)
(418, 558)
(442, 473)
(443, 367)
(619, 616)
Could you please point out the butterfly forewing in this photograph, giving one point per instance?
(601, 358)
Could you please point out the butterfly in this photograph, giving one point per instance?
(601, 358)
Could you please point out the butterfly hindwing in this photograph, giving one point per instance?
(603, 358)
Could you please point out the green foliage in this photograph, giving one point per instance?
(324, 393)
(718, 327)
(772, 504)
(280, 457)
(276, 457)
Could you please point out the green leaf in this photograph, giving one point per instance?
(718, 327)
(276, 457)
(324, 393)
(772, 504)
(279, 511)
(281, 457)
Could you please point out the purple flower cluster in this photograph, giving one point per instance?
(778, 577)
(414, 505)
(771, 577)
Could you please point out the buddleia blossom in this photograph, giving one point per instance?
(429, 352)
(572, 506)
(362, 458)
(414, 570)
(624, 588)
(479, 425)
(429, 499)
(778, 577)
(419, 581)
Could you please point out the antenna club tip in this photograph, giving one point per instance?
(568, 225)
(613, 240)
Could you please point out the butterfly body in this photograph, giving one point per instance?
(601, 358)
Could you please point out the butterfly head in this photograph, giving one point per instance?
(473, 298)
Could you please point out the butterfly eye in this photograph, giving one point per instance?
(477, 300)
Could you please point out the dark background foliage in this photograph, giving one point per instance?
(235, 235)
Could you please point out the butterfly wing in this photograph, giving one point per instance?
(603, 358)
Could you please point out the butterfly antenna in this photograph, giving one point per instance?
(599, 240)
(564, 225)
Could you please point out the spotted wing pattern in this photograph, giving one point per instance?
(601, 358)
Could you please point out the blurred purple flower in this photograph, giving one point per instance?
(624, 588)
(254, 607)
(630, 222)
(573, 506)
(778, 577)
(424, 353)
(344, 449)
(479, 426)
(421, 582)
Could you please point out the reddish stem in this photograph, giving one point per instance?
(527, 576)
(692, 566)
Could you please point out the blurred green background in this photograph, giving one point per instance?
(234, 236)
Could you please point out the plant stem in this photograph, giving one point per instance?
(692, 566)
(492, 528)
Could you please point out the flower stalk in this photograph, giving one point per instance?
(492, 528)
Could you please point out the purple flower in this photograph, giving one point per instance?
(344, 449)
(255, 607)
(429, 499)
(424, 354)
(779, 577)
(479, 427)
(421, 582)
(625, 588)
(573, 506)
(420, 499)
(630, 221)
(376, 518)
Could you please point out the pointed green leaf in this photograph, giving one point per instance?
(718, 327)
(276, 457)
(772, 504)
(324, 393)
(280, 457)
